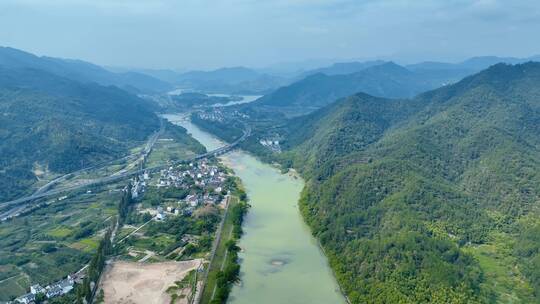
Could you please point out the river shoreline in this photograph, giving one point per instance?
(281, 260)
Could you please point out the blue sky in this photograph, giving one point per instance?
(214, 33)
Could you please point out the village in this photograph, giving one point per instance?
(220, 115)
(56, 289)
(271, 143)
(201, 184)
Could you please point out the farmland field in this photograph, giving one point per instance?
(53, 241)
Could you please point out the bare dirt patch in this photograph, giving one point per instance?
(141, 283)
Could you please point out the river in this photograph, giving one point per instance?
(280, 260)
(244, 98)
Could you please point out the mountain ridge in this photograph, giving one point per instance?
(384, 80)
(81, 71)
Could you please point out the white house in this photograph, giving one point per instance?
(35, 289)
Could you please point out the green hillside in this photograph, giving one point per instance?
(433, 199)
(59, 125)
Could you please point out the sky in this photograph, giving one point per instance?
(206, 34)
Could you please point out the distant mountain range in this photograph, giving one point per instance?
(383, 79)
(82, 71)
(232, 80)
(342, 68)
(242, 80)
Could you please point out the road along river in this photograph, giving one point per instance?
(280, 260)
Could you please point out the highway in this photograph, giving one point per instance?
(116, 176)
(141, 155)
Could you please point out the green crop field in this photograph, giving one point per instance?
(13, 286)
(51, 242)
(60, 232)
(167, 150)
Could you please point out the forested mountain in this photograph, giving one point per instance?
(55, 124)
(428, 200)
(81, 71)
(384, 80)
(325, 129)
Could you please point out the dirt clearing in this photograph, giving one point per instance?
(141, 283)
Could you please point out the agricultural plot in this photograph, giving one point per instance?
(49, 243)
(167, 149)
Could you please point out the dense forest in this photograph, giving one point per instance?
(402, 194)
(426, 200)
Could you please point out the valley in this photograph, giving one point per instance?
(381, 180)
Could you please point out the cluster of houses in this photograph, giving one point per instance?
(221, 115)
(272, 144)
(139, 185)
(185, 176)
(53, 290)
(208, 177)
(215, 115)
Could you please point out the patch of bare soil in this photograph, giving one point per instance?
(141, 283)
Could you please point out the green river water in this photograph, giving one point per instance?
(280, 260)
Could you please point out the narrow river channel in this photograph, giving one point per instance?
(280, 260)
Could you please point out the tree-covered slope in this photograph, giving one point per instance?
(435, 204)
(56, 124)
(346, 126)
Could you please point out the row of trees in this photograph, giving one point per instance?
(230, 273)
(124, 207)
(85, 291)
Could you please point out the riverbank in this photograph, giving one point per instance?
(281, 262)
(223, 269)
